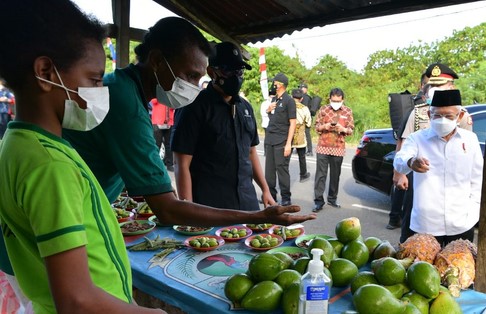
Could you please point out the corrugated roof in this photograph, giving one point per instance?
(251, 21)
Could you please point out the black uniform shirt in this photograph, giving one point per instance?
(221, 170)
(278, 126)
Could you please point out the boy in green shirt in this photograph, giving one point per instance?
(62, 239)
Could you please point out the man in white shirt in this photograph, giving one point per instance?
(447, 166)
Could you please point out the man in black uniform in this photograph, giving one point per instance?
(278, 139)
(215, 138)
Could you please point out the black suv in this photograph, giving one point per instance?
(373, 162)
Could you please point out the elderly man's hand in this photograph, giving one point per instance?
(281, 215)
(419, 164)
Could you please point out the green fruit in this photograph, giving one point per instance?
(263, 297)
(361, 279)
(390, 272)
(424, 278)
(375, 299)
(410, 308)
(421, 302)
(325, 246)
(265, 266)
(337, 245)
(398, 290)
(372, 243)
(384, 249)
(357, 252)
(290, 299)
(237, 286)
(445, 303)
(342, 271)
(300, 264)
(285, 258)
(287, 277)
(348, 229)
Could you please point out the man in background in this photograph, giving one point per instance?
(162, 122)
(278, 139)
(304, 121)
(333, 123)
(215, 139)
(306, 100)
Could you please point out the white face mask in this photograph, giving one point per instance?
(97, 106)
(182, 93)
(336, 105)
(443, 126)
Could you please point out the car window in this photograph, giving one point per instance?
(479, 125)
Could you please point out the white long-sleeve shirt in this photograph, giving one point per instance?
(447, 197)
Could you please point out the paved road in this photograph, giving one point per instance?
(370, 206)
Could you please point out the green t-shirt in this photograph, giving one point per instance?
(121, 151)
(50, 203)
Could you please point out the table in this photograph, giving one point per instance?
(194, 281)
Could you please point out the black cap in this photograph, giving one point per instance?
(444, 98)
(282, 78)
(303, 85)
(297, 93)
(440, 74)
(228, 55)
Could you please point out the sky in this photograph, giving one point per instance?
(350, 42)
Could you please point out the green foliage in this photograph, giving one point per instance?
(387, 71)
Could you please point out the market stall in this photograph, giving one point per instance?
(194, 281)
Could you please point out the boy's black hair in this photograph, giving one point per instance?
(57, 29)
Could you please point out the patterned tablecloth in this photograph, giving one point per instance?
(194, 281)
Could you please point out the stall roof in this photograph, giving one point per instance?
(251, 21)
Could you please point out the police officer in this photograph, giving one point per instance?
(214, 140)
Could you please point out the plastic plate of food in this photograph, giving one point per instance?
(188, 230)
(263, 242)
(123, 215)
(303, 241)
(136, 227)
(289, 233)
(292, 251)
(234, 233)
(204, 243)
(258, 227)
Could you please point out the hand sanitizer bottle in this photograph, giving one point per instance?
(315, 287)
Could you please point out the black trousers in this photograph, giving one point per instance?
(396, 212)
(302, 161)
(323, 163)
(162, 136)
(407, 210)
(276, 164)
(308, 138)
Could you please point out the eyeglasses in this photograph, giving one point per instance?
(449, 116)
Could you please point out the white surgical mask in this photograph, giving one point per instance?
(443, 126)
(97, 106)
(336, 105)
(182, 93)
